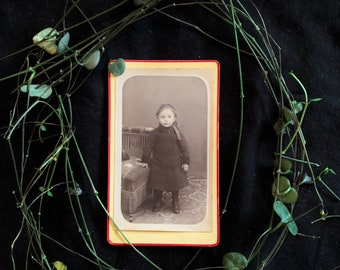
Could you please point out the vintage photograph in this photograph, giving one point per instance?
(164, 149)
(164, 176)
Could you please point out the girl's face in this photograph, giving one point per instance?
(166, 118)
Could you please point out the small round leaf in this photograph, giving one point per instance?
(288, 115)
(92, 60)
(290, 197)
(286, 165)
(43, 127)
(234, 261)
(58, 265)
(283, 183)
(45, 39)
(117, 67)
(63, 43)
(297, 106)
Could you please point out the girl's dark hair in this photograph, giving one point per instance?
(166, 106)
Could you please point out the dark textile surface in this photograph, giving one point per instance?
(308, 35)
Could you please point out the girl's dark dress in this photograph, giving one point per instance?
(165, 152)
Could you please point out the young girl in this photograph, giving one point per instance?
(167, 155)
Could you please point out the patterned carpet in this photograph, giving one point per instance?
(192, 203)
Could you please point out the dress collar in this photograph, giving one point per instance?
(170, 129)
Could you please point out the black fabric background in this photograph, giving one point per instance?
(308, 34)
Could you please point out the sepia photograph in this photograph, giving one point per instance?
(164, 179)
(165, 136)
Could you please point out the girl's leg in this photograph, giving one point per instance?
(157, 197)
(175, 201)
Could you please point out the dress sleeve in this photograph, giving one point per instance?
(148, 149)
(183, 145)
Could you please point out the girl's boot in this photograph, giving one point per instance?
(157, 197)
(175, 202)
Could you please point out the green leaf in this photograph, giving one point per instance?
(293, 229)
(288, 115)
(279, 126)
(37, 90)
(333, 172)
(92, 60)
(297, 106)
(286, 166)
(63, 43)
(327, 171)
(315, 100)
(58, 265)
(284, 186)
(43, 127)
(282, 211)
(45, 39)
(291, 196)
(117, 67)
(49, 193)
(234, 261)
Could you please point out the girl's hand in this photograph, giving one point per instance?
(143, 165)
(185, 167)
